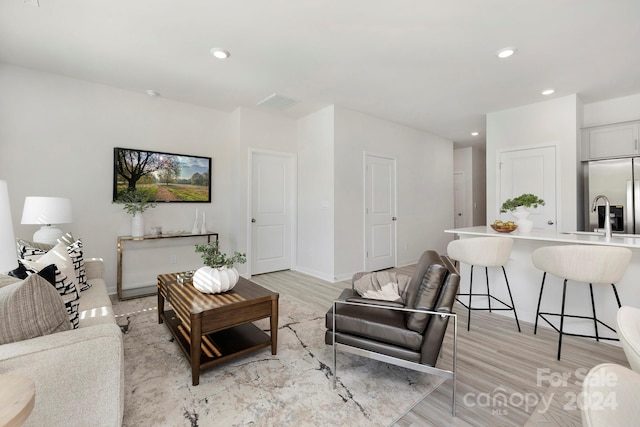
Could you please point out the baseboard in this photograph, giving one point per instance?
(317, 274)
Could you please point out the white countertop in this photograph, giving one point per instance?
(579, 237)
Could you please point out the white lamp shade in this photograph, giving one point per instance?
(8, 255)
(47, 210)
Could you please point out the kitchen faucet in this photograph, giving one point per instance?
(607, 212)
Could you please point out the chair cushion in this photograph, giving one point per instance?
(384, 325)
(31, 308)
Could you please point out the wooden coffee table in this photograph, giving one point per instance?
(214, 328)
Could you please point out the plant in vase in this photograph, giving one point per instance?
(135, 203)
(518, 208)
(219, 274)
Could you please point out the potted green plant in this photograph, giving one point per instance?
(518, 208)
(526, 200)
(218, 274)
(135, 203)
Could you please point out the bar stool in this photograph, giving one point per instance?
(590, 264)
(484, 252)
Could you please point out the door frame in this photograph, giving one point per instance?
(364, 206)
(557, 153)
(293, 192)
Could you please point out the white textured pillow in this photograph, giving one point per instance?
(59, 256)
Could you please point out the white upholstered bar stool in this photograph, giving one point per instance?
(484, 252)
(592, 264)
(628, 322)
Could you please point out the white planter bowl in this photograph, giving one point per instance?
(211, 280)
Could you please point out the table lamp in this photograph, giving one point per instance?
(8, 255)
(47, 211)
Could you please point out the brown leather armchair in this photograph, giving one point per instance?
(408, 334)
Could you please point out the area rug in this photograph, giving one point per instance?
(292, 388)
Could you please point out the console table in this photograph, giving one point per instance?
(123, 239)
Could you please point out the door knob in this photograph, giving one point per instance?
(550, 222)
(253, 220)
(459, 214)
(394, 219)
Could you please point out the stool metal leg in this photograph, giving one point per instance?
(511, 298)
(615, 291)
(470, 293)
(593, 308)
(486, 275)
(535, 329)
(564, 294)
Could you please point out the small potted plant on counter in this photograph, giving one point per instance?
(518, 208)
(218, 274)
(525, 200)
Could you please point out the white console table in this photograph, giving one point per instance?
(123, 239)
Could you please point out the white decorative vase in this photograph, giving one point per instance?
(211, 280)
(525, 225)
(195, 229)
(137, 225)
(203, 228)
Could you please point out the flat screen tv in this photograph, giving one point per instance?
(164, 177)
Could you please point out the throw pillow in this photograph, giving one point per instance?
(77, 257)
(30, 308)
(33, 251)
(19, 273)
(65, 287)
(6, 280)
(59, 256)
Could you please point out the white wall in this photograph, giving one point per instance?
(554, 122)
(424, 181)
(57, 137)
(316, 194)
(614, 110)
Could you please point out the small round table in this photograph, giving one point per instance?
(17, 397)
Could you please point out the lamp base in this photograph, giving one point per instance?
(47, 234)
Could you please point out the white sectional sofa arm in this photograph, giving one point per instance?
(94, 268)
(78, 375)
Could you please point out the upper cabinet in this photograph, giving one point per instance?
(610, 141)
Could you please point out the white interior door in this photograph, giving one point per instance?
(460, 216)
(271, 212)
(529, 171)
(380, 213)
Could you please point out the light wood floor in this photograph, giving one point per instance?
(495, 364)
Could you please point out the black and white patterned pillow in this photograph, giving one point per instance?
(65, 287)
(77, 256)
(32, 251)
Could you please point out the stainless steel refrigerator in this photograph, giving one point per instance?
(619, 181)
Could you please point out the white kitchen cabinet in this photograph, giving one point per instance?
(610, 141)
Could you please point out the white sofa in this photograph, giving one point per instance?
(79, 373)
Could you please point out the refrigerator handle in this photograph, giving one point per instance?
(635, 213)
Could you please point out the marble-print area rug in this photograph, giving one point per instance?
(292, 388)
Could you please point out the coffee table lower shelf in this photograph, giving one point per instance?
(218, 347)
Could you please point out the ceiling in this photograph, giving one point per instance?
(427, 64)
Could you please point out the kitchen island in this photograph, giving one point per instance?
(525, 279)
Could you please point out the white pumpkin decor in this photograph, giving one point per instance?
(211, 280)
(218, 275)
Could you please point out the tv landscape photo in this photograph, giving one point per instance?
(162, 177)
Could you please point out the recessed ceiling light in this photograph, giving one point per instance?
(548, 91)
(506, 52)
(475, 133)
(220, 53)
(152, 92)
